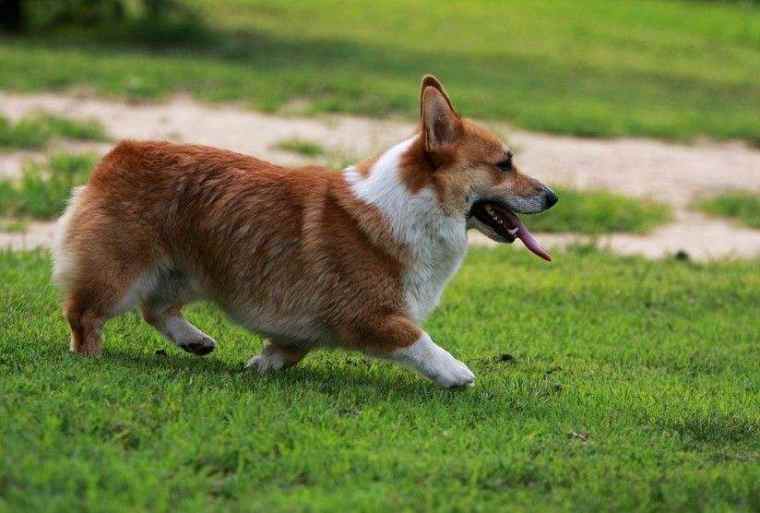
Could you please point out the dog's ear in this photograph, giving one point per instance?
(441, 124)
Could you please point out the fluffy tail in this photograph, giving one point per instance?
(63, 257)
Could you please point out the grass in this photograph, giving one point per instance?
(43, 190)
(741, 205)
(301, 147)
(36, 130)
(596, 212)
(306, 148)
(12, 226)
(674, 69)
(632, 385)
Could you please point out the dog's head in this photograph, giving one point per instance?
(474, 172)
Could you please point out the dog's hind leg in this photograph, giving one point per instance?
(86, 322)
(162, 309)
(92, 300)
(168, 320)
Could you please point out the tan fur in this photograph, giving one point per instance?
(365, 166)
(292, 253)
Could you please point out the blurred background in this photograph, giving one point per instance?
(656, 68)
(643, 113)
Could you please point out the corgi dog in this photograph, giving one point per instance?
(307, 257)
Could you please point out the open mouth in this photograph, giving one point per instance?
(506, 225)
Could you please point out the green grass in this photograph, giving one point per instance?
(301, 147)
(653, 363)
(596, 212)
(43, 190)
(741, 205)
(12, 226)
(670, 69)
(332, 159)
(36, 130)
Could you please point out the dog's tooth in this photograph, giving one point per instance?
(512, 231)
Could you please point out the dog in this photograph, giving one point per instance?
(307, 257)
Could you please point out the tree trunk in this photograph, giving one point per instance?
(11, 16)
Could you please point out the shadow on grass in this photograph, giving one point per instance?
(357, 375)
(351, 380)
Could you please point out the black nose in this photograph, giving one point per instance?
(550, 198)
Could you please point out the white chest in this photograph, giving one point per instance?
(437, 243)
(436, 259)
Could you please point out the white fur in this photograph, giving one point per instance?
(438, 242)
(182, 333)
(434, 362)
(137, 291)
(267, 362)
(530, 205)
(302, 330)
(64, 266)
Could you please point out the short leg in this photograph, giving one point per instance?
(399, 339)
(276, 356)
(433, 362)
(170, 323)
(87, 309)
(85, 331)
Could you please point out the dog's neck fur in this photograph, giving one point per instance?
(435, 241)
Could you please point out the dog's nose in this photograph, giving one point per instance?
(550, 198)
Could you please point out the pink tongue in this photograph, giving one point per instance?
(530, 241)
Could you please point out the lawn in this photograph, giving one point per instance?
(43, 190)
(302, 147)
(604, 384)
(743, 206)
(36, 130)
(598, 211)
(672, 69)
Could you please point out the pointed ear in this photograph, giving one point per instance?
(440, 122)
(432, 81)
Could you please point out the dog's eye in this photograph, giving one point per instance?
(505, 165)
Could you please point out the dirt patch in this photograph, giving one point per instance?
(36, 235)
(672, 173)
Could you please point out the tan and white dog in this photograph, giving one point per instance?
(308, 257)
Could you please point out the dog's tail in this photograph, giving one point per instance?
(63, 257)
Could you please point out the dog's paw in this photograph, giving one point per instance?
(453, 374)
(265, 363)
(201, 346)
(435, 363)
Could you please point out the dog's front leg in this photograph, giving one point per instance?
(275, 356)
(400, 340)
(434, 362)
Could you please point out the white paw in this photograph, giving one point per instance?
(454, 374)
(264, 363)
(435, 363)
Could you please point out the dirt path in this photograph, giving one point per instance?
(672, 173)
